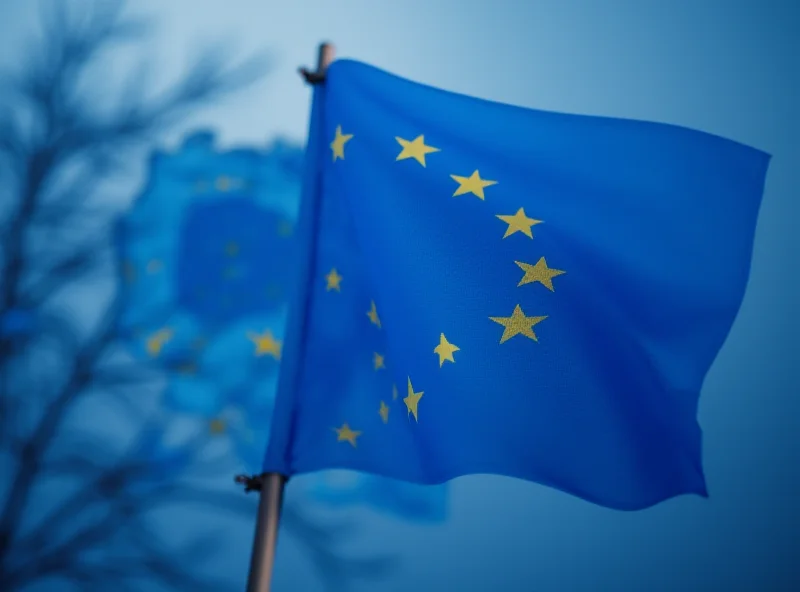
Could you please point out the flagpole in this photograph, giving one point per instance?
(269, 510)
(271, 485)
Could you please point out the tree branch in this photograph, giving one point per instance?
(33, 451)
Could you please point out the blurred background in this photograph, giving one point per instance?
(129, 399)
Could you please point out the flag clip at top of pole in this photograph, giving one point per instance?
(324, 59)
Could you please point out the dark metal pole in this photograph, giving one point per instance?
(272, 484)
(269, 513)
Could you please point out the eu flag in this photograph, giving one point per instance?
(491, 289)
(207, 252)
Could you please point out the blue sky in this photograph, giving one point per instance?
(728, 67)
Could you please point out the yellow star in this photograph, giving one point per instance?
(472, 184)
(217, 426)
(518, 324)
(412, 400)
(519, 222)
(415, 149)
(394, 392)
(338, 143)
(345, 434)
(372, 313)
(265, 344)
(334, 279)
(384, 412)
(157, 341)
(445, 350)
(539, 273)
(378, 359)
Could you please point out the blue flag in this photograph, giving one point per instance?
(491, 289)
(208, 255)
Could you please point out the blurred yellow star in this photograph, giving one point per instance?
(265, 344)
(333, 280)
(372, 313)
(378, 360)
(217, 426)
(384, 412)
(345, 434)
(158, 340)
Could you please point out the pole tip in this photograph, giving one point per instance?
(326, 55)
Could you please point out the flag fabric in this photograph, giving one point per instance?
(410, 501)
(492, 289)
(207, 261)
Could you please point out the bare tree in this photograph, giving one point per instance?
(81, 500)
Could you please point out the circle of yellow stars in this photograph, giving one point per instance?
(517, 324)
